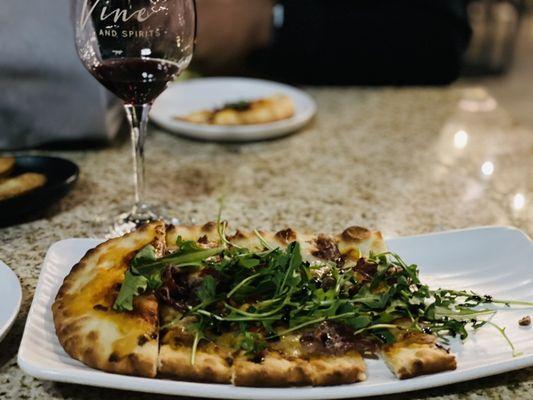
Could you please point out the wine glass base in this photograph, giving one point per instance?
(140, 215)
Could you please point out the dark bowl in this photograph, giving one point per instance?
(61, 177)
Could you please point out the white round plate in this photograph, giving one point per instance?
(186, 97)
(11, 298)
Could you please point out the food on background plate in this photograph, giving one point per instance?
(257, 308)
(6, 166)
(20, 184)
(246, 112)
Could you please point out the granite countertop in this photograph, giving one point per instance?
(385, 158)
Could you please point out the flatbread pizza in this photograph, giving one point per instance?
(255, 308)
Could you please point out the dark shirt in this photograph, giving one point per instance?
(368, 42)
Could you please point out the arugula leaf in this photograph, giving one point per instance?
(385, 336)
(187, 246)
(252, 344)
(140, 266)
(197, 329)
(207, 291)
(145, 256)
(132, 286)
(359, 322)
(249, 262)
(370, 299)
(195, 258)
(291, 277)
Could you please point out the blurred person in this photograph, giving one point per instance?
(46, 93)
(48, 96)
(367, 42)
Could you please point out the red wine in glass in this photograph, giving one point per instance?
(135, 80)
(134, 48)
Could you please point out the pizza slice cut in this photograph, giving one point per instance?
(212, 363)
(414, 354)
(291, 360)
(90, 329)
(289, 365)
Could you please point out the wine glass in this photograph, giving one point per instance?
(134, 48)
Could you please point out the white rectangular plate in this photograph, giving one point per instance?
(494, 260)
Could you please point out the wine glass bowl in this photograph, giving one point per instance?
(134, 48)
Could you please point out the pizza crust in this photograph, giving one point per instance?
(277, 370)
(353, 243)
(87, 327)
(212, 364)
(409, 358)
(274, 370)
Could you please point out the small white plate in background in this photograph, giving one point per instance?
(11, 298)
(183, 98)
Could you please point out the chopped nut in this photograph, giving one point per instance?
(526, 321)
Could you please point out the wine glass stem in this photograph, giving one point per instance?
(138, 119)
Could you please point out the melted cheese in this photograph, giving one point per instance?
(228, 341)
(358, 248)
(289, 345)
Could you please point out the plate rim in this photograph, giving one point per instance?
(194, 389)
(467, 229)
(6, 327)
(257, 132)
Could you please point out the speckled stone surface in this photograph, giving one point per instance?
(385, 158)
